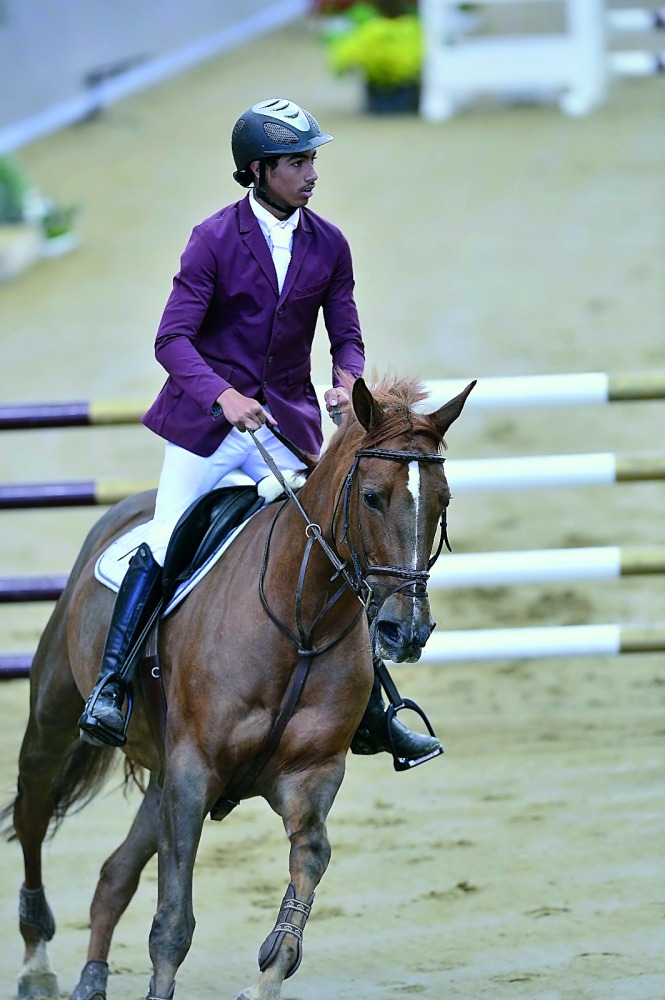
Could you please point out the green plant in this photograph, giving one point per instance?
(388, 51)
(58, 219)
(20, 202)
(14, 190)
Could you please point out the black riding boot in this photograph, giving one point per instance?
(373, 736)
(103, 722)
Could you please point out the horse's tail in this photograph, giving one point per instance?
(83, 771)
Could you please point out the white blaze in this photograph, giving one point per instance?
(413, 486)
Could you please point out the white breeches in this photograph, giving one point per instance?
(186, 476)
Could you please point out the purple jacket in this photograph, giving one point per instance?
(226, 325)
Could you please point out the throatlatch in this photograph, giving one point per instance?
(272, 944)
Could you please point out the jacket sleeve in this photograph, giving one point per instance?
(341, 318)
(175, 343)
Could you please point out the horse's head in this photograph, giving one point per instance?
(394, 500)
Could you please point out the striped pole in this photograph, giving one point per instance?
(534, 391)
(31, 416)
(487, 474)
(531, 643)
(85, 493)
(471, 569)
(490, 393)
(23, 589)
(15, 665)
(464, 476)
(492, 644)
(501, 569)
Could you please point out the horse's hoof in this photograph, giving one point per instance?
(92, 984)
(38, 986)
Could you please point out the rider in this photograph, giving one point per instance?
(235, 339)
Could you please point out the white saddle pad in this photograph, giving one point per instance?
(112, 564)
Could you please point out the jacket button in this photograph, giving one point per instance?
(269, 359)
(280, 310)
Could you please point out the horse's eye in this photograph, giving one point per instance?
(372, 499)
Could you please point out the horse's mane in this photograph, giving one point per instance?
(396, 397)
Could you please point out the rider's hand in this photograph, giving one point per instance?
(338, 403)
(245, 413)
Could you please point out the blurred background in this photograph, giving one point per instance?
(498, 170)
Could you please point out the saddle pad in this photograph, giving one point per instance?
(112, 564)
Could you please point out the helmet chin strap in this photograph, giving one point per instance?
(261, 193)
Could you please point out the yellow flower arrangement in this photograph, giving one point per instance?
(388, 51)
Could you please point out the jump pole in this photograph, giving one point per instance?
(471, 569)
(535, 643)
(464, 476)
(491, 644)
(504, 569)
(589, 388)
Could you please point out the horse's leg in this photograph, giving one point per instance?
(51, 729)
(187, 790)
(118, 881)
(303, 801)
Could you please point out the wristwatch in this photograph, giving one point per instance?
(216, 411)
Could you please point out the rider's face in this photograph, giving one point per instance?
(293, 179)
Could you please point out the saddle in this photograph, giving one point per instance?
(202, 529)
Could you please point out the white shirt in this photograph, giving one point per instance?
(278, 234)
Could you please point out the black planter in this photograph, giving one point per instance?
(392, 100)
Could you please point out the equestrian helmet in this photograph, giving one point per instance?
(272, 128)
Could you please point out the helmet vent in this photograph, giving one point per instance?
(237, 127)
(313, 123)
(279, 134)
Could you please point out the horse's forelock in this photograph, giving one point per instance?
(397, 398)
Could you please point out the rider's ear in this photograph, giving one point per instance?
(450, 411)
(365, 406)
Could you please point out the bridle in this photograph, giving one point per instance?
(414, 580)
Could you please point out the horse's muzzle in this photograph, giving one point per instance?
(401, 628)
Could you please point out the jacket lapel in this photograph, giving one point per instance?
(302, 237)
(252, 234)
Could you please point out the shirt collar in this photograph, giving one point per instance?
(268, 221)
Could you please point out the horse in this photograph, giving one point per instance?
(373, 505)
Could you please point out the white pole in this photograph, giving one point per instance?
(467, 475)
(495, 569)
(522, 643)
(547, 641)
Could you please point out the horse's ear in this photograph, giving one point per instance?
(450, 411)
(365, 406)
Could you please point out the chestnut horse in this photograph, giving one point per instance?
(379, 493)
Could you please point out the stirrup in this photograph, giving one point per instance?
(97, 733)
(406, 763)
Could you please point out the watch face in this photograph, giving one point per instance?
(215, 410)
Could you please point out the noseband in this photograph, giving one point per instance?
(415, 580)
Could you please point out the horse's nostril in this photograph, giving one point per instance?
(389, 631)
